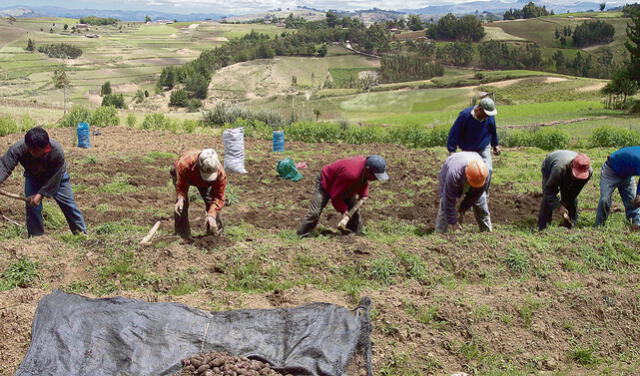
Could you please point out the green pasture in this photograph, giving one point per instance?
(542, 30)
(543, 90)
(496, 33)
(605, 14)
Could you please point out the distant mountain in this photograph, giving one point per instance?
(18, 12)
(501, 6)
(373, 15)
(124, 15)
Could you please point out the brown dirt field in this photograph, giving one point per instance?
(269, 205)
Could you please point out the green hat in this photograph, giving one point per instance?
(489, 106)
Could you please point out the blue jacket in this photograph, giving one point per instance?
(626, 161)
(470, 134)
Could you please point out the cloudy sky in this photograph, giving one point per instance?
(226, 6)
(244, 6)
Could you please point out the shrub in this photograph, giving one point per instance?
(60, 50)
(179, 98)
(189, 126)
(105, 116)
(314, 132)
(614, 137)
(544, 138)
(194, 104)
(21, 273)
(115, 100)
(77, 114)
(8, 126)
(550, 139)
(131, 120)
(223, 114)
(139, 96)
(105, 89)
(160, 122)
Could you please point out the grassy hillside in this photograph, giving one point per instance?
(542, 31)
(130, 58)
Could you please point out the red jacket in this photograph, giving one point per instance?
(343, 179)
(188, 174)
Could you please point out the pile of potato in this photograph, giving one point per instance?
(222, 364)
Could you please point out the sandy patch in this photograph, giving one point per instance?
(368, 74)
(186, 51)
(126, 88)
(594, 87)
(95, 98)
(502, 84)
(194, 26)
(548, 80)
(518, 20)
(220, 39)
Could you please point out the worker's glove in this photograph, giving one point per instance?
(179, 206)
(211, 224)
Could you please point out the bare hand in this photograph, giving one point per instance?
(179, 206)
(211, 224)
(636, 201)
(497, 150)
(457, 227)
(35, 199)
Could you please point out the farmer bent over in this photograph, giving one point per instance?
(203, 170)
(618, 172)
(45, 175)
(341, 182)
(567, 172)
(475, 130)
(463, 173)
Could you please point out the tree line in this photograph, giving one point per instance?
(55, 50)
(309, 40)
(98, 21)
(450, 27)
(530, 10)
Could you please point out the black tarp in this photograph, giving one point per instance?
(75, 335)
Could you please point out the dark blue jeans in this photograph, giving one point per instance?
(64, 198)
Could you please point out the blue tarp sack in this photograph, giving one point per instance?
(83, 133)
(278, 141)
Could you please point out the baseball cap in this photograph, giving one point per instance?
(476, 172)
(580, 166)
(377, 165)
(209, 164)
(489, 106)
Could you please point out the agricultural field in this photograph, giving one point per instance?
(130, 57)
(542, 31)
(512, 302)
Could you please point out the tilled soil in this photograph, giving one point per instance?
(222, 364)
(271, 205)
(265, 201)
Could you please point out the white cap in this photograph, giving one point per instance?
(209, 164)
